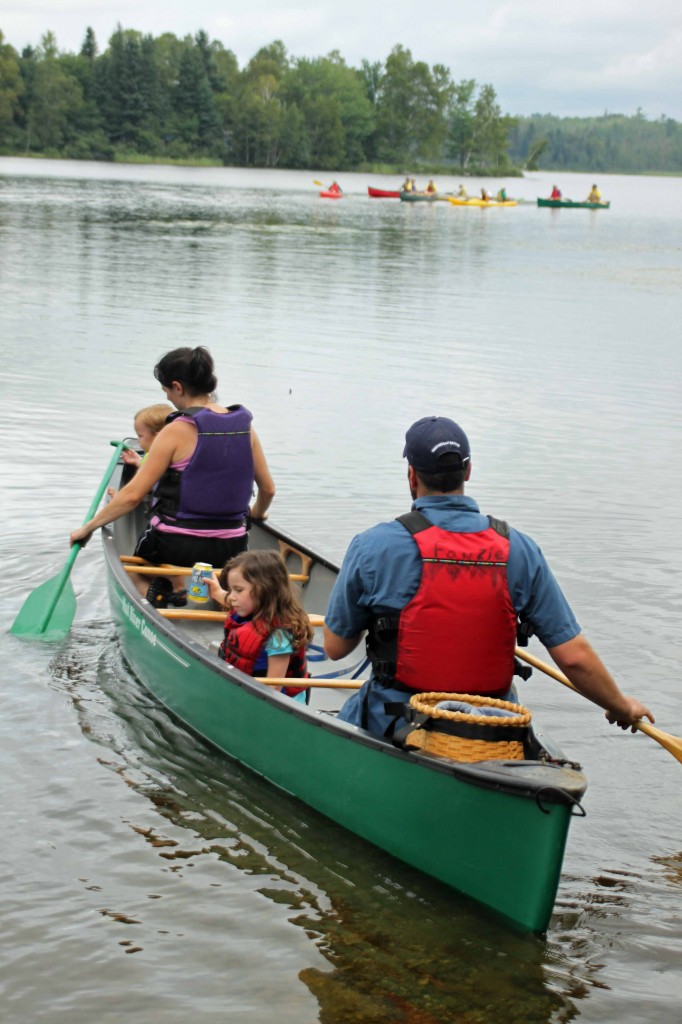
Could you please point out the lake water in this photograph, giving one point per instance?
(147, 876)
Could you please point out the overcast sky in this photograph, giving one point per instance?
(576, 57)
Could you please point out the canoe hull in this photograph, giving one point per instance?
(331, 195)
(421, 197)
(442, 818)
(568, 204)
(382, 193)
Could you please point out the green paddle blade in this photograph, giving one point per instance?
(47, 612)
(36, 619)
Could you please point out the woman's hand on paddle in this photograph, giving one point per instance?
(631, 712)
(81, 536)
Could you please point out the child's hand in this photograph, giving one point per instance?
(216, 591)
(132, 458)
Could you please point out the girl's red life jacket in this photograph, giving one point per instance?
(243, 643)
(458, 633)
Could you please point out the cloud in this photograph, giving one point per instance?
(583, 56)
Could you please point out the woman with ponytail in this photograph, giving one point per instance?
(201, 467)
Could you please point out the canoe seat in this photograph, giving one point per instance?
(306, 561)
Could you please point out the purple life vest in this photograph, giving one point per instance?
(214, 490)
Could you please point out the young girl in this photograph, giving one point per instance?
(146, 424)
(267, 629)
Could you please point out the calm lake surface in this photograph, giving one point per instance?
(146, 876)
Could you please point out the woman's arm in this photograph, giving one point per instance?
(161, 454)
(264, 481)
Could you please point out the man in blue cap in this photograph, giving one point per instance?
(444, 592)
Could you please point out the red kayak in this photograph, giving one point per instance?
(326, 194)
(382, 193)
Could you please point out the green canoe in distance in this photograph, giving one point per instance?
(495, 831)
(422, 197)
(568, 204)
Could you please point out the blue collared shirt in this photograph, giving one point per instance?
(382, 570)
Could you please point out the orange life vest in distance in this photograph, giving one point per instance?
(458, 633)
(242, 645)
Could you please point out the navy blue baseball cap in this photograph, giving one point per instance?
(431, 437)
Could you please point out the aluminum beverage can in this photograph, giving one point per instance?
(198, 587)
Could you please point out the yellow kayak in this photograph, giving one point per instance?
(480, 202)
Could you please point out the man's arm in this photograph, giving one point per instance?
(336, 646)
(585, 669)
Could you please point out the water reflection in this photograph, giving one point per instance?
(397, 947)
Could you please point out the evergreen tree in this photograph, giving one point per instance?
(11, 90)
(89, 47)
(196, 118)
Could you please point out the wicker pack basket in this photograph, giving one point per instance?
(467, 737)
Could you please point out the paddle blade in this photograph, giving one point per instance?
(35, 618)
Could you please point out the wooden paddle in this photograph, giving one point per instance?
(49, 610)
(673, 744)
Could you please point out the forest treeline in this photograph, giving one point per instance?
(611, 143)
(187, 99)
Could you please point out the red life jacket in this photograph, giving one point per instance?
(243, 643)
(458, 633)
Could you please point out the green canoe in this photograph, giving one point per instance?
(495, 831)
(556, 204)
(422, 197)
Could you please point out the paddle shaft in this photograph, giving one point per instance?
(673, 744)
(73, 554)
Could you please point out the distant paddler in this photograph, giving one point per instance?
(594, 196)
(431, 187)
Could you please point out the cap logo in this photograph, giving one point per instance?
(445, 444)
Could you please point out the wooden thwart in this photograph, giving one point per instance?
(210, 615)
(133, 564)
(338, 684)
